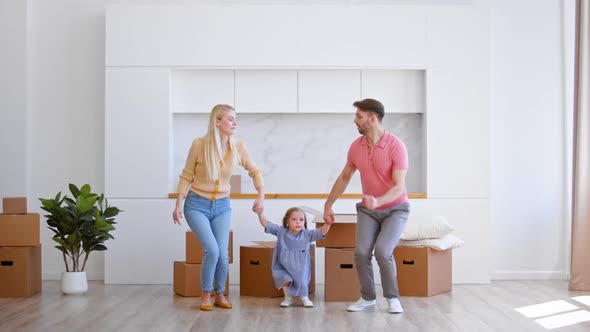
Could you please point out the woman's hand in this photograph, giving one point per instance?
(258, 205)
(177, 215)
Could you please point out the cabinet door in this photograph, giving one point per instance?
(400, 91)
(197, 91)
(328, 91)
(137, 130)
(147, 242)
(458, 131)
(266, 91)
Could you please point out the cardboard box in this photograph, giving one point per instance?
(342, 282)
(19, 230)
(20, 271)
(187, 280)
(194, 250)
(255, 271)
(423, 271)
(14, 205)
(256, 274)
(235, 183)
(342, 233)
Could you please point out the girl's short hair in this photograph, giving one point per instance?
(288, 214)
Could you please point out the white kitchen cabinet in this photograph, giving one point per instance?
(198, 90)
(400, 91)
(146, 244)
(328, 90)
(457, 150)
(266, 91)
(137, 127)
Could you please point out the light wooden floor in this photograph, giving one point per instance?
(155, 308)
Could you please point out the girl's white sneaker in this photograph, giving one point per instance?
(288, 301)
(306, 302)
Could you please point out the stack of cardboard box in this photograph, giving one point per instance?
(20, 249)
(187, 274)
(421, 271)
(255, 270)
(341, 280)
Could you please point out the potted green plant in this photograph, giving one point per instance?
(81, 225)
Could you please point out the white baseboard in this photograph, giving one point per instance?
(57, 275)
(530, 275)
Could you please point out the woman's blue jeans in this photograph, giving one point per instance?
(211, 221)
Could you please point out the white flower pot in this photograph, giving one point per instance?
(73, 283)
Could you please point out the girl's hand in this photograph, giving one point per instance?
(258, 205)
(257, 210)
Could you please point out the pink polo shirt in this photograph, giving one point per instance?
(376, 165)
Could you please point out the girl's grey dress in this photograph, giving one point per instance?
(290, 259)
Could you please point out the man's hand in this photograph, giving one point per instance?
(370, 202)
(329, 216)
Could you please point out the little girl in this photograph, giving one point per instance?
(291, 264)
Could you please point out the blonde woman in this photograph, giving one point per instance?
(209, 165)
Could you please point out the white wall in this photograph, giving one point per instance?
(13, 97)
(66, 100)
(67, 109)
(528, 141)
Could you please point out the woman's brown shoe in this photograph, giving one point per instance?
(224, 305)
(206, 307)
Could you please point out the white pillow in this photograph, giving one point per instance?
(422, 227)
(447, 242)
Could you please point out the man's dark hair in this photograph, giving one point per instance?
(371, 105)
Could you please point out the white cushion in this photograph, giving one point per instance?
(447, 242)
(422, 227)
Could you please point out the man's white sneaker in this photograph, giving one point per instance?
(361, 305)
(394, 306)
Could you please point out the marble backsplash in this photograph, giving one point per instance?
(302, 152)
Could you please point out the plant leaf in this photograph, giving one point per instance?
(74, 190)
(85, 190)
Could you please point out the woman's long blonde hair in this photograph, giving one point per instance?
(213, 149)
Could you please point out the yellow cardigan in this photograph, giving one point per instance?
(194, 174)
